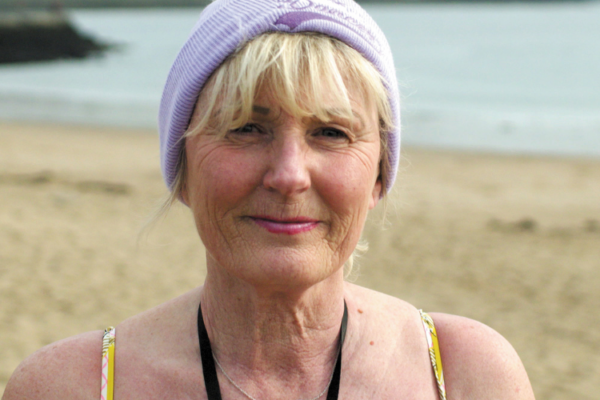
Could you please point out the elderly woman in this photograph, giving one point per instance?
(280, 130)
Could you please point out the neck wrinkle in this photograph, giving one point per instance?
(261, 338)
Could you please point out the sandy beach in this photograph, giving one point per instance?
(512, 241)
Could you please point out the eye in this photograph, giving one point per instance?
(331, 133)
(248, 129)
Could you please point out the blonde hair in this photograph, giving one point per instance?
(299, 70)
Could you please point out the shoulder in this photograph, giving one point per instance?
(478, 362)
(151, 356)
(68, 369)
(383, 303)
(387, 324)
(390, 359)
(384, 315)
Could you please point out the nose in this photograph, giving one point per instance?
(288, 171)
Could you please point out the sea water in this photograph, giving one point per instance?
(517, 78)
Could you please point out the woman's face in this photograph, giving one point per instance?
(282, 201)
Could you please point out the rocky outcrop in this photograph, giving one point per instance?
(40, 36)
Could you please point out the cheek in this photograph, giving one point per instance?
(220, 185)
(219, 180)
(346, 185)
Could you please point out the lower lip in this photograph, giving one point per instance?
(286, 228)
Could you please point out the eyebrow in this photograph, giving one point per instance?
(261, 110)
(333, 114)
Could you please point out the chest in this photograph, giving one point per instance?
(372, 375)
(389, 376)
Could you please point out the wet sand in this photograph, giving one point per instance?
(512, 241)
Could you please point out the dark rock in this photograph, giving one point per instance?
(42, 36)
(592, 225)
(522, 225)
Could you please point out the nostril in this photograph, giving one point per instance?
(287, 176)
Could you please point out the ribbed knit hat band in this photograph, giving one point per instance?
(225, 25)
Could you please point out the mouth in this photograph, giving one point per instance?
(288, 226)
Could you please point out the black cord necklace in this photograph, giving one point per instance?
(210, 372)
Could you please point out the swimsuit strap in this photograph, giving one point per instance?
(211, 381)
(434, 352)
(108, 364)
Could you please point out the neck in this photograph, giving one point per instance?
(266, 334)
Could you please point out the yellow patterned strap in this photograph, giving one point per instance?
(434, 352)
(108, 364)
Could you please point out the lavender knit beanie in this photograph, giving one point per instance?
(225, 25)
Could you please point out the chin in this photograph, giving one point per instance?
(284, 268)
